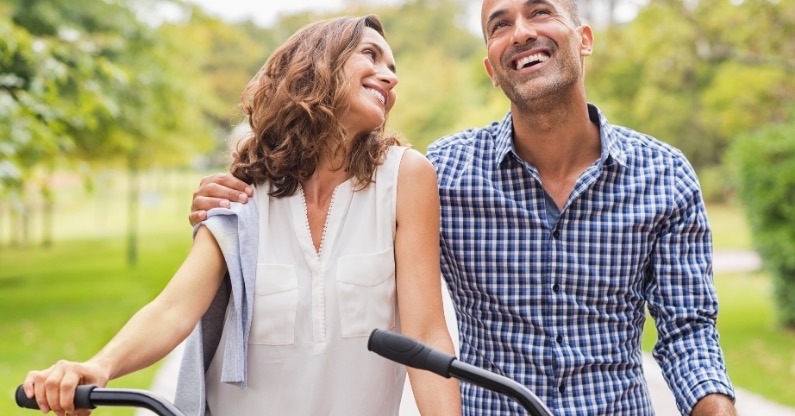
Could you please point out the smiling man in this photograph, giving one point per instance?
(558, 231)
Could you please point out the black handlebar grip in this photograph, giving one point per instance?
(407, 351)
(82, 398)
(23, 401)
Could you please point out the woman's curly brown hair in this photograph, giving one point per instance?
(292, 105)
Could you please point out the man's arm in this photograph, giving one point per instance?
(714, 405)
(682, 299)
(217, 191)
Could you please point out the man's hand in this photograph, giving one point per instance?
(714, 405)
(217, 191)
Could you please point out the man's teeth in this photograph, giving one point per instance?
(377, 95)
(536, 57)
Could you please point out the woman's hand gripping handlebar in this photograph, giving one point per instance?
(90, 397)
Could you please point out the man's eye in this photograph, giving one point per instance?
(499, 25)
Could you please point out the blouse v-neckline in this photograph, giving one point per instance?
(340, 199)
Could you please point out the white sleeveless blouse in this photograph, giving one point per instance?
(314, 311)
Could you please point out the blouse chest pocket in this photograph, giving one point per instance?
(275, 305)
(366, 293)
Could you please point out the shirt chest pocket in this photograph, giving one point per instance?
(366, 293)
(275, 304)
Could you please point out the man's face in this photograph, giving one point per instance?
(534, 48)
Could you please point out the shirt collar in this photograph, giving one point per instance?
(611, 149)
(503, 137)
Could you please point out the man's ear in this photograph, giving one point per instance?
(490, 72)
(586, 43)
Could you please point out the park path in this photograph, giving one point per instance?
(748, 404)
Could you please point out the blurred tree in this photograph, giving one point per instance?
(697, 73)
(88, 82)
(41, 102)
(443, 84)
(226, 55)
(764, 163)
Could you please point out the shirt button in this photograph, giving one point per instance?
(556, 234)
(562, 388)
(556, 287)
(559, 339)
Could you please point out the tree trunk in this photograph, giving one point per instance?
(48, 212)
(133, 198)
(22, 232)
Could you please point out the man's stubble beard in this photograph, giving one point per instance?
(542, 92)
(529, 96)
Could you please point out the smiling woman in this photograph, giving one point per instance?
(282, 293)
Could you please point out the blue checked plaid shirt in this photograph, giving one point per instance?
(558, 305)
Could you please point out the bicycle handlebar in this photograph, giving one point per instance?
(412, 353)
(89, 397)
(390, 345)
(407, 351)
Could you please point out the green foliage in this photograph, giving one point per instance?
(223, 56)
(89, 82)
(730, 231)
(741, 97)
(443, 84)
(715, 187)
(697, 74)
(765, 164)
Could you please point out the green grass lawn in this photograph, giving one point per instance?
(68, 300)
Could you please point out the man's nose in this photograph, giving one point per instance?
(523, 32)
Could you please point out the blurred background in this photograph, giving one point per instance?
(111, 112)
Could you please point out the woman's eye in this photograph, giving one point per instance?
(371, 53)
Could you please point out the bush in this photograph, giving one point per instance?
(764, 162)
(716, 186)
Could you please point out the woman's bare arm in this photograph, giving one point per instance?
(419, 290)
(148, 336)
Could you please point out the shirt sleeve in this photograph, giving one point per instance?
(682, 299)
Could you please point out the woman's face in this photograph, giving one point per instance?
(371, 73)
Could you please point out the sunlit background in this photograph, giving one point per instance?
(111, 111)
